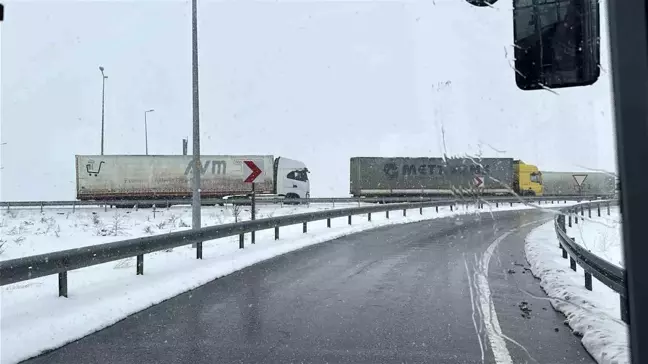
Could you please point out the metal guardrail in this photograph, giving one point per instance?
(26, 268)
(609, 274)
(261, 200)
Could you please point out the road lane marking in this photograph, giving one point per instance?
(491, 322)
(493, 329)
(473, 304)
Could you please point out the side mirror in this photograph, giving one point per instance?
(557, 43)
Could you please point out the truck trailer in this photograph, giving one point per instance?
(425, 176)
(141, 177)
(566, 183)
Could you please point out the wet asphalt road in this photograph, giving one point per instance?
(398, 294)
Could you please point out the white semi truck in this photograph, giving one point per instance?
(141, 177)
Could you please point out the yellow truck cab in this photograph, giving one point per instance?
(528, 179)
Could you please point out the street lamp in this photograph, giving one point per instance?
(103, 102)
(146, 129)
(195, 194)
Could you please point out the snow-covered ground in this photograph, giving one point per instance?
(26, 232)
(34, 319)
(600, 235)
(593, 314)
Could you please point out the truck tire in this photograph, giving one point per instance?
(290, 196)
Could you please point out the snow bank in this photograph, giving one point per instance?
(593, 314)
(34, 319)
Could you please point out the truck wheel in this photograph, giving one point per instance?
(290, 196)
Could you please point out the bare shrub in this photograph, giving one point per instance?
(236, 211)
(117, 224)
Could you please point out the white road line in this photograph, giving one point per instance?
(495, 335)
(493, 329)
(472, 306)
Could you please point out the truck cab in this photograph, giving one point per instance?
(291, 178)
(528, 179)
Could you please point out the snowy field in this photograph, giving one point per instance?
(593, 314)
(34, 319)
(600, 235)
(25, 232)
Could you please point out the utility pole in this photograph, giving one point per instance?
(146, 129)
(195, 203)
(103, 102)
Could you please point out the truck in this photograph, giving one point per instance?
(591, 183)
(143, 177)
(436, 176)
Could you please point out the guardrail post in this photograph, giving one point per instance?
(328, 222)
(582, 210)
(576, 216)
(154, 210)
(369, 216)
(511, 204)
(387, 214)
(608, 208)
(241, 241)
(199, 250)
(436, 207)
(589, 210)
(450, 207)
(168, 205)
(625, 316)
(421, 210)
(62, 278)
(277, 232)
(349, 219)
(598, 209)
(404, 212)
(305, 228)
(588, 281)
(572, 261)
(570, 217)
(564, 252)
(140, 265)
(496, 204)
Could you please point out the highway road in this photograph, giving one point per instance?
(453, 290)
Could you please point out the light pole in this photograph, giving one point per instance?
(103, 102)
(146, 129)
(195, 203)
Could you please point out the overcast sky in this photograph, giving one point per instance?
(319, 81)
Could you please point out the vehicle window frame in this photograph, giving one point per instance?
(628, 29)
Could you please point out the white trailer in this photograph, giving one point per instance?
(123, 177)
